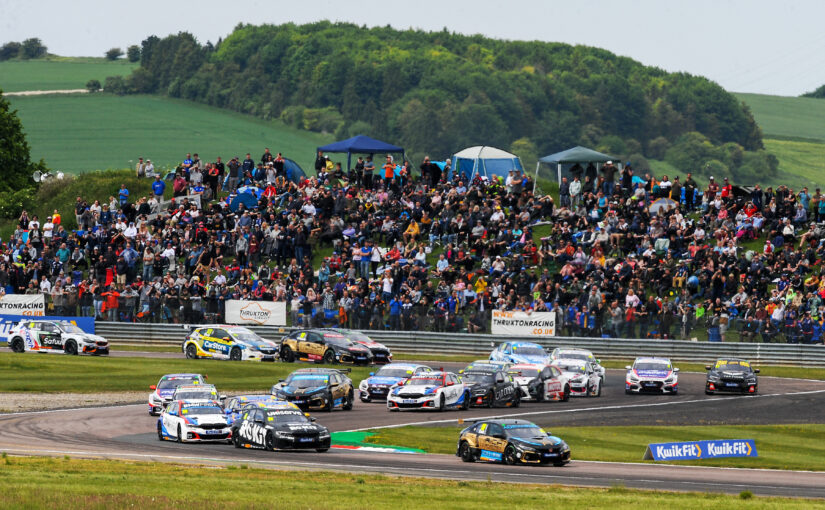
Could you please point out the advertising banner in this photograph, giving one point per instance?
(87, 324)
(714, 449)
(23, 304)
(523, 324)
(256, 313)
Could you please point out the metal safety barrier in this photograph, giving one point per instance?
(426, 343)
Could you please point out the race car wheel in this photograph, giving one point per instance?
(179, 439)
(510, 455)
(329, 357)
(322, 450)
(236, 440)
(269, 442)
(599, 392)
(235, 354)
(192, 351)
(287, 355)
(348, 401)
(466, 404)
(441, 403)
(566, 396)
(491, 398)
(70, 348)
(465, 452)
(160, 432)
(364, 395)
(516, 401)
(708, 392)
(540, 393)
(330, 403)
(17, 344)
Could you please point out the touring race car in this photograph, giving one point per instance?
(197, 393)
(485, 364)
(279, 429)
(731, 375)
(540, 382)
(54, 337)
(234, 343)
(323, 346)
(234, 406)
(652, 375)
(520, 352)
(317, 388)
(380, 353)
(378, 385)
(582, 354)
(432, 390)
(186, 422)
(511, 442)
(162, 391)
(582, 378)
(491, 388)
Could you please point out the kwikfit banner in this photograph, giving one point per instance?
(714, 449)
(87, 324)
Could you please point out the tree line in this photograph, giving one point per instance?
(438, 92)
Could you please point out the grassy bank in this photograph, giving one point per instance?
(59, 73)
(797, 447)
(93, 484)
(81, 133)
(55, 373)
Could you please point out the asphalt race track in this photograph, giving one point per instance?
(128, 432)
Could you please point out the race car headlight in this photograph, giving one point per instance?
(283, 435)
(633, 378)
(363, 386)
(323, 435)
(669, 380)
(713, 378)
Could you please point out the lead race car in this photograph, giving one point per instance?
(511, 442)
(55, 336)
(279, 428)
(433, 390)
(317, 388)
(652, 375)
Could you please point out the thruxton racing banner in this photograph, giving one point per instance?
(523, 323)
(256, 313)
(22, 304)
(87, 324)
(714, 449)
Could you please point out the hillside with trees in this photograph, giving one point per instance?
(437, 92)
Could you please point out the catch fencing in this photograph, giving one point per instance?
(423, 344)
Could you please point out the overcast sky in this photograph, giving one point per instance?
(772, 47)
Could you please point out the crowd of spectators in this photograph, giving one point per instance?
(422, 248)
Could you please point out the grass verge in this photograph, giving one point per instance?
(83, 374)
(797, 447)
(105, 484)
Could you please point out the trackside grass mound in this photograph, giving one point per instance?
(796, 447)
(97, 484)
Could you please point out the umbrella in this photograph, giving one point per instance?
(662, 204)
(247, 199)
(253, 190)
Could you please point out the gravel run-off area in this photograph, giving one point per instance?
(21, 402)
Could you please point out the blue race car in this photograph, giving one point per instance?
(378, 385)
(317, 388)
(520, 352)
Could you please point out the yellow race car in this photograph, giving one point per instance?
(235, 343)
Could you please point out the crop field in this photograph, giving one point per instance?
(787, 117)
(59, 73)
(80, 133)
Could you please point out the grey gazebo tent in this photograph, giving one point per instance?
(577, 154)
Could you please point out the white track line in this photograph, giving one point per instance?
(587, 409)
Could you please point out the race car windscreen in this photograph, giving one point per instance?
(425, 381)
(71, 328)
(394, 372)
(200, 410)
(574, 355)
(528, 350)
(358, 337)
(195, 395)
(244, 335)
(524, 431)
(727, 366)
(532, 373)
(338, 340)
(284, 417)
(168, 384)
(571, 367)
(652, 366)
(307, 380)
(478, 377)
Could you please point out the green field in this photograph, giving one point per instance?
(106, 484)
(54, 373)
(787, 117)
(797, 447)
(80, 133)
(59, 73)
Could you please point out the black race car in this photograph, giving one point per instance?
(511, 442)
(489, 388)
(381, 354)
(731, 375)
(279, 429)
(323, 346)
(317, 388)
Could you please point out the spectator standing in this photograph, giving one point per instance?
(158, 187)
(123, 195)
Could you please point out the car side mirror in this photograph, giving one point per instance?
(280, 380)
(755, 370)
(222, 397)
(708, 367)
(627, 367)
(599, 361)
(675, 369)
(372, 373)
(312, 419)
(226, 339)
(333, 385)
(450, 383)
(499, 380)
(153, 387)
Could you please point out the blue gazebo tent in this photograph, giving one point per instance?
(361, 144)
(485, 161)
(294, 172)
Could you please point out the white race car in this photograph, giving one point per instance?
(197, 393)
(583, 354)
(581, 376)
(184, 421)
(162, 391)
(55, 337)
(520, 352)
(541, 382)
(431, 390)
(652, 375)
